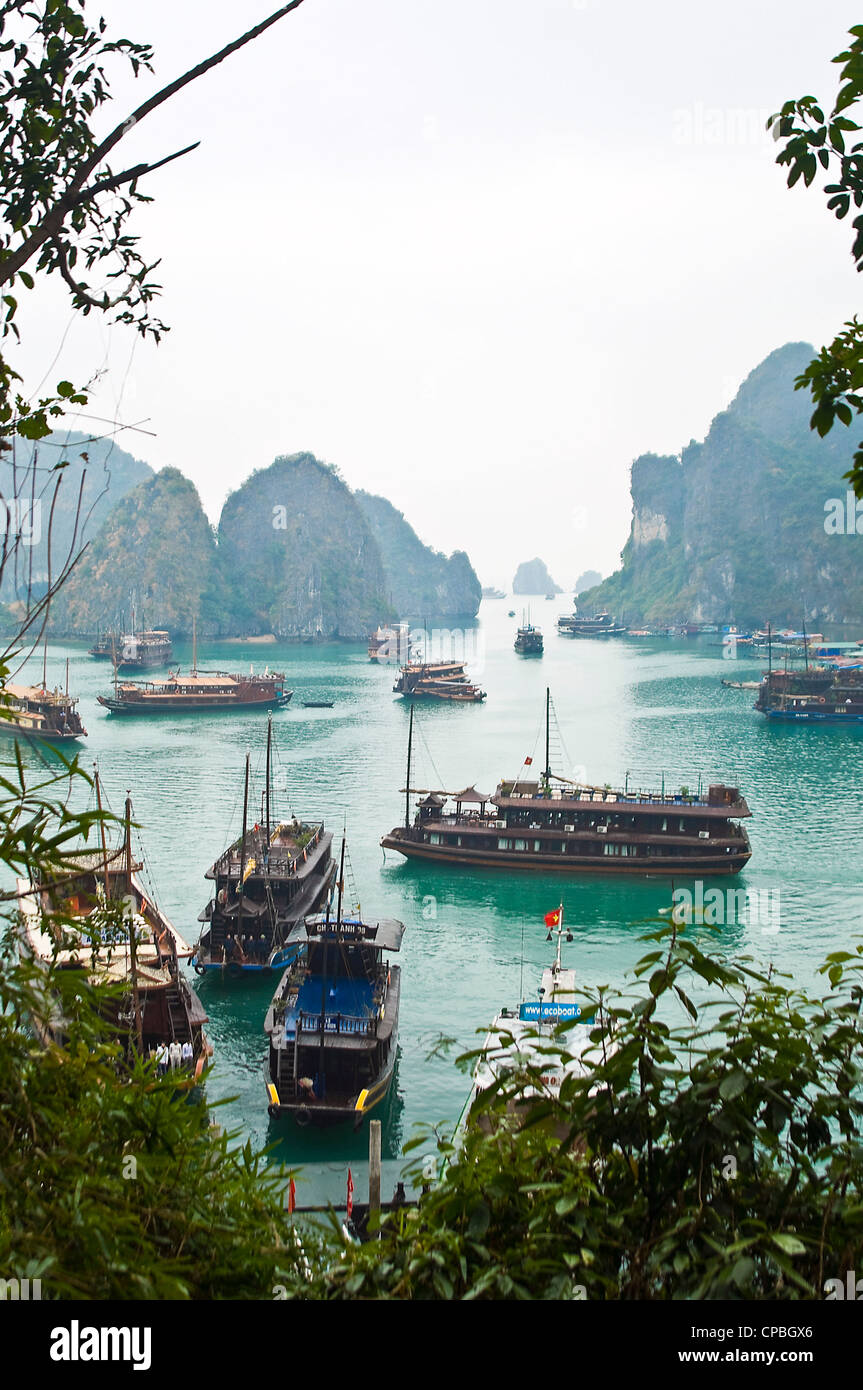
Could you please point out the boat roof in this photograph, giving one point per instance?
(35, 692)
(385, 934)
(470, 794)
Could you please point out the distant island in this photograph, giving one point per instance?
(752, 525)
(296, 554)
(588, 580)
(532, 577)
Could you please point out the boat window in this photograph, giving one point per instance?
(434, 839)
(503, 844)
(521, 844)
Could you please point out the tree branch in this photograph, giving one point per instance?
(52, 221)
(81, 291)
(128, 176)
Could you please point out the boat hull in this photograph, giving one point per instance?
(192, 705)
(36, 736)
(809, 717)
(594, 863)
(320, 1113)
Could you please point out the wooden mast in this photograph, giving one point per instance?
(45, 666)
(194, 645)
(243, 848)
(102, 832)
(408, 781)
(547, 731)
(341, 884)
(267, 818)
(133, 946)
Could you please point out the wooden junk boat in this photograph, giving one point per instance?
(207, 690)
(528, 641)
(822, 694)
(106, 647)
(266, 882)
(72, 923)
(830, 691)
(437, 680)
(333, 1023)
(33, 711)
(139, 651)
(599, 625)
(199, 690)
(556, 824)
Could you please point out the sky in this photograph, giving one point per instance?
(479, 254)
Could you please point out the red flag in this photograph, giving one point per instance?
(350, 1194)
(552, 918)
(528, 761)
(292, 1195)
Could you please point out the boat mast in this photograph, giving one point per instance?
(267, 819)
(547, 733)
(408, 781)
(769, 649)
(805, 646)
(102, 831)
(133, 948)
(194, 645)
(243, 847)
(67, 675)
(321, 1056)
(45, 666)
(559, 935)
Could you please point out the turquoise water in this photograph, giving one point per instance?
(625, 709)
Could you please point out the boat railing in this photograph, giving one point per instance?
(598, 795)
(279, 863)
(343, 1024)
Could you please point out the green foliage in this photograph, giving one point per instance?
(714, 1152)
(812, 141)
(114, 1184)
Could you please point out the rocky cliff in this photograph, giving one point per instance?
(299, 554)
(532, 577)
(93, 476)
(745, 526)
(155, 550)
(420, 581)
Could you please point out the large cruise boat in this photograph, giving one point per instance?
(552, 823)
(599, 625)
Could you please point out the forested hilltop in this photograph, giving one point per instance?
(297, 553)
(749, 526)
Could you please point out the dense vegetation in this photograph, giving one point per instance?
(734, 529)
(156, 550)
(715, 1152)
(297, 554)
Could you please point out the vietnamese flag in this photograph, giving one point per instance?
(552, 918)
(292, 1195)
(350, 1194)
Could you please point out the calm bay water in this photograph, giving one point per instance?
(625, 709)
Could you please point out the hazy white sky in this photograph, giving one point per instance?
(478, 253)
